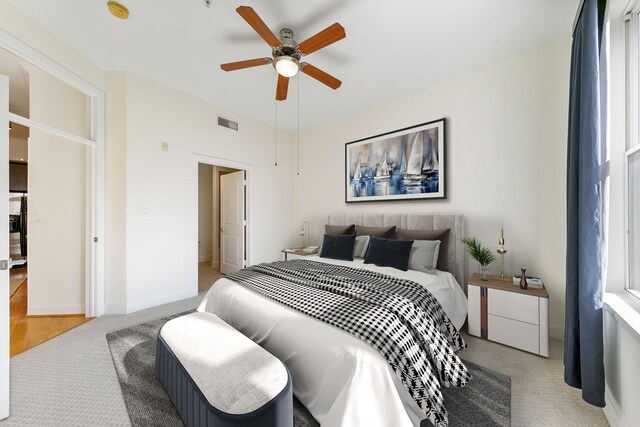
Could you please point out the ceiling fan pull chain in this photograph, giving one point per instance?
(276, 145)
(298, 140)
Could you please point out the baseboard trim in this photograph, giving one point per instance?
(52, 310)
(611, 410)
(205, 258)
(153, 302)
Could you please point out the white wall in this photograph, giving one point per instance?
(506, 151)
(57, 194)
(162, 252)
(205, 212)
(115, 292)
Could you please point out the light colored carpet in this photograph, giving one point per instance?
(539, 396)
(71, 381)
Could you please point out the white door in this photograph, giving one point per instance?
(4, 247)
(232, 222)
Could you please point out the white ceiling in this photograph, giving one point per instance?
(392, 47)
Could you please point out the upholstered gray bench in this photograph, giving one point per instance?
(217, 377)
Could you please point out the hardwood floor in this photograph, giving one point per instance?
(29, 331)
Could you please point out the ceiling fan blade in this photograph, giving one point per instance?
(283, 87)
(320, 75)
(232, 66)
(324, 38)
(258, 25)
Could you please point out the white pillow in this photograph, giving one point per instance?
(361, 246)
(424, 256)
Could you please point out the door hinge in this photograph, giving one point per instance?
(244, 182)
(4, 264)
(244, 263)
(244, 222)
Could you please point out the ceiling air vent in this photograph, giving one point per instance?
(227, 123)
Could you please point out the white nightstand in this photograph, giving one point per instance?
(290, 254)
(502, 312)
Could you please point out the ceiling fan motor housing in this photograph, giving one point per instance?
(289, 47)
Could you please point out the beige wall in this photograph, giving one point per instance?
(161, 188)
(505, 156)
(57, 199)
(115, 292)
(205, 212)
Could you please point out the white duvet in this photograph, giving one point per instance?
(340, 379)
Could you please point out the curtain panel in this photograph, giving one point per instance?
(583, 345)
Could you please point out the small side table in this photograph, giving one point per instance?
(296, 253)
(502, 312)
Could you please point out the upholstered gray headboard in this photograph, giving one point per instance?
(416, 222)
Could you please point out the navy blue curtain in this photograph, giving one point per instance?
(583, 346)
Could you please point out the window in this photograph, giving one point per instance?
(632, 152)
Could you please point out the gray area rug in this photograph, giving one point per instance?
(485, 401)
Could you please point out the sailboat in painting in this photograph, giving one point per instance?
(382, 173)
(357, 175)
(414, 167)
(431, 164)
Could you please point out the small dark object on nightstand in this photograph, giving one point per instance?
(523, 279)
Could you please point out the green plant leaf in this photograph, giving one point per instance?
(480, 253)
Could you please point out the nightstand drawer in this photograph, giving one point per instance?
(514, 333)
(513, 306)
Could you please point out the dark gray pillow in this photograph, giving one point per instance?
(338, 247)
(442, 235)
(340, 230)
(424, 256)
(382, 232)
(389, 253)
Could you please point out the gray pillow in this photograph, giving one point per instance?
(442, 235)
(361, 246)
(424, 256)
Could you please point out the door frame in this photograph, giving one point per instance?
(216, 161)
(5, 394)
(95, 214)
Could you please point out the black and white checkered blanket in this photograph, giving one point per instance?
(399, 318)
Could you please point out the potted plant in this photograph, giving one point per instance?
(480, 253)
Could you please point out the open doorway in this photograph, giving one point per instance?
(48, 204)
(222, 222)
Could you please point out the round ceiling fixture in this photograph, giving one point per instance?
(286, 66)
(117, 9)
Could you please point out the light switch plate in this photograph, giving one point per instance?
(165, 146)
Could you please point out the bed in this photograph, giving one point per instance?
(342, 380)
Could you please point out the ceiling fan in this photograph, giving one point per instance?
(287, 53)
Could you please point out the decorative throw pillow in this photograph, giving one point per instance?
(338, 247)
(424, 256)
(360, 247)
(340, 230)
(382, 232)
(389, 253)
(442, 235)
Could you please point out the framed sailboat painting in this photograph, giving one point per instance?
(404, 164)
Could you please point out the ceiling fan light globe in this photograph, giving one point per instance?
(286, 66)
